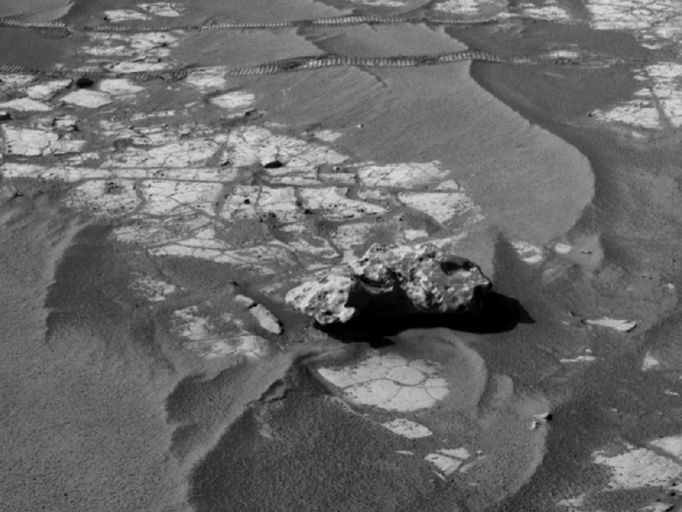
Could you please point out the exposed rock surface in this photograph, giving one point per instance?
(394, 279)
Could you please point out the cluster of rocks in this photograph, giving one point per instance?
(392, 279)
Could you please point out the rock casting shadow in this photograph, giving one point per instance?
(498, 313)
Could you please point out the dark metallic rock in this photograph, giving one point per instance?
(392, 279)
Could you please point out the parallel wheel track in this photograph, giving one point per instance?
(275, 67)
(339, 21)
(279, 66)
(330, 60)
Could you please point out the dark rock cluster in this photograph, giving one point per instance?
(392, 279)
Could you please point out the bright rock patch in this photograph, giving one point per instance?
(164, 9)
(87, 99)
(34, 142)
(26, 105)
(120, 15)
(401, 175)
(132, 52)
(218, 337)
(119, 87)
(332, 290)
(155, 290)
(252, 145)
(657, 105)
(529, 253)
(548, 10)
(333, 203)
(407, 428)
(261, 314)
(389, 382)
(47, 90)
(650, 362)
(473, 8)
(444, 207)
(448, 460)
(613, 323)
(207, 78)
(236, 102)
(583, 358)
(642, 467)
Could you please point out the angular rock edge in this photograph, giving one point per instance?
(394, 279)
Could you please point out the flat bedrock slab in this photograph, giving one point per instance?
(394, 279)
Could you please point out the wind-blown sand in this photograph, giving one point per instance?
(150, 228)
(36, 10)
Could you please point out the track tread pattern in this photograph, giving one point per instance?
(339, 21)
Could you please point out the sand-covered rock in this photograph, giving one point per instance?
(394, 279)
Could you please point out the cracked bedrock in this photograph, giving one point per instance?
(275, 292)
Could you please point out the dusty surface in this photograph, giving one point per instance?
(152, 224)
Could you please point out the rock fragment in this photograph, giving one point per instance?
(266, 319)
(399, 279)
(650, 362)
(87, 99)
(155, 290)
(613, 323)
(167, 10)
(119, 87)
(263, 315)
(325, 299)
(583, 358)
(407, 428)
(638, 467)
(207, 78)
(47, 90)
(26, 105)
(236, 101)
(119, 15)
(448, 460)
(66, 123)
(447, 208)
(404, 175)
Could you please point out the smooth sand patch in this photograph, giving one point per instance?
(36, 10)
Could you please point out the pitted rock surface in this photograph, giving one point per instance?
(394, 279)
(326, 299)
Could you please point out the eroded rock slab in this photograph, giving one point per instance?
(399, 279)
(393, 383)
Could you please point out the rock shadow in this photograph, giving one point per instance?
(497, 313)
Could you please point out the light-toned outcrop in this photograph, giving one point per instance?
(35, 142)
(393, 383)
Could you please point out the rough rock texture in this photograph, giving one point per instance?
(394, 279)
(325, 299)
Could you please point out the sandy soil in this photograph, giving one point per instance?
(150, 227)
(36, 10)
